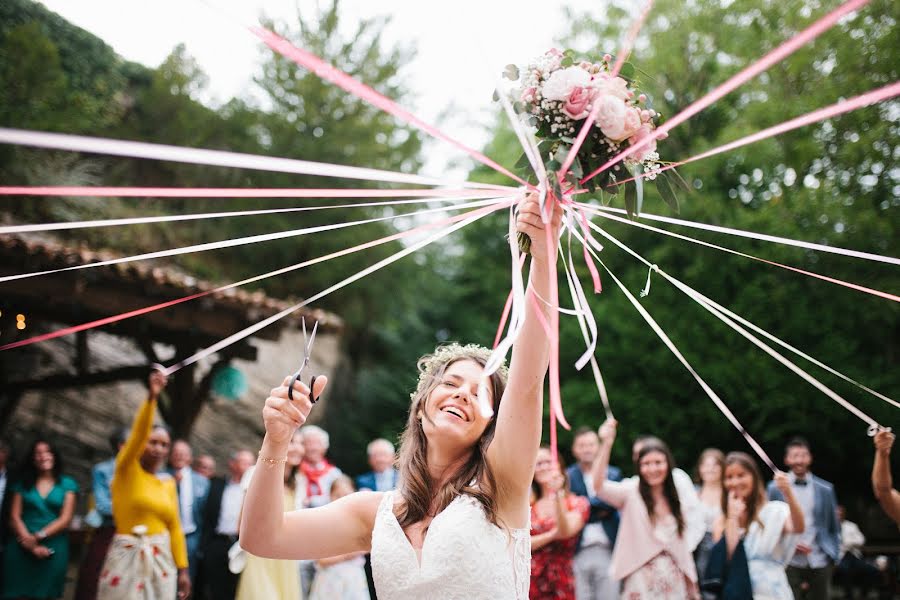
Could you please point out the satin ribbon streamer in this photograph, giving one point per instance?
(253, 239)
(141, 311)
(773, 57)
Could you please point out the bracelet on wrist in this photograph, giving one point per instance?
(271, 462)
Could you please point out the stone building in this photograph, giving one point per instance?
(78, 388)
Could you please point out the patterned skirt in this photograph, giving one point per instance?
(139, 567)
(659, 579)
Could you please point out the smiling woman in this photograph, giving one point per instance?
(457, 527)
(658, 562)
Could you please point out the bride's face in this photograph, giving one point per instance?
(452, 413)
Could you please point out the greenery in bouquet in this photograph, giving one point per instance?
(557, 93)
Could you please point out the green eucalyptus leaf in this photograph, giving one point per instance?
(631, 201)
(667, 193)
(511, 72)
(567, 61)
(627, 71)
(523, 162)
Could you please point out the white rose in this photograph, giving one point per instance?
(614, 86)
(611, 114)
(562, 82)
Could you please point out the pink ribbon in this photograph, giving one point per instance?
(360, 90)
(622, 56)
(163, 192)
(847, 284)
(147, 309)
(773, 57)
(844, 106)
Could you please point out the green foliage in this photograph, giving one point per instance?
(833, 183)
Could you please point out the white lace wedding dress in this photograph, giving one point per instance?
(464, 556)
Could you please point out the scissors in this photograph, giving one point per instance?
(307, 350)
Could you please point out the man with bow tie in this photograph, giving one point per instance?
(809, 572)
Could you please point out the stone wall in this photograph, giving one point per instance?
(80, 420)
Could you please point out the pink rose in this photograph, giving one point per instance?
(577, 106)
(645, 131)
(611, 116)
(528, 95)
(632, 122)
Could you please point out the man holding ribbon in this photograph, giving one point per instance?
(809, 572)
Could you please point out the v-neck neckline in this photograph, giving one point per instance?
(419, 555)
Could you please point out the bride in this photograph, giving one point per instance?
(458, 526)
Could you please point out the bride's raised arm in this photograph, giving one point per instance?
(518, 433)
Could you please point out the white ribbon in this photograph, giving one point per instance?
(355, 277)
(761, 237)
(516, 319)
(65, 225)
(219, 158)
(253, 239)
(714, 310)
(674, 349)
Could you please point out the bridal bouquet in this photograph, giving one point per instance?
(557, 92)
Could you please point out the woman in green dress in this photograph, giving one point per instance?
(43, 500)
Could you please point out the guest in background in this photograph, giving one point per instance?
(655, 562)
(318, 471)
(340, 577)
(768, 529)
(220, 528)
(41, 509)
(148, 553)
(882, 485)
(593, 555)
(101, 518)
(817, 552)
(383, 476)
(192, 491)
(4, 461)
(709, 473)
(557, 517)
(205, 465)
(852, 571)
(691, 510)
(4, 502)
(264, 578)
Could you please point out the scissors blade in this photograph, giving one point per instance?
(312, 338)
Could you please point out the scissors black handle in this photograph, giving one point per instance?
(312, 384)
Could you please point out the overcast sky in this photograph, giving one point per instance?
(461, 45)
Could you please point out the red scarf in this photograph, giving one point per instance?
(313, 474)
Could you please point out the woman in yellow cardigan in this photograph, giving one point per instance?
(148, 557)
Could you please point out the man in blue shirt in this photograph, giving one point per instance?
(595, 546)
(193, 488)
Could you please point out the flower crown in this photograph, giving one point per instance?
(450, 353)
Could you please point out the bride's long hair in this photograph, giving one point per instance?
(475, 478)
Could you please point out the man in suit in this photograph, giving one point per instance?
(219, 529)
(192, 491)
(383, 476)
(809, 572)
(595, 545)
